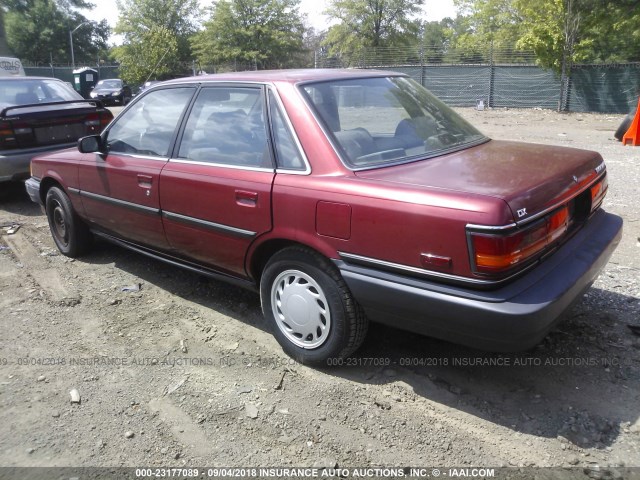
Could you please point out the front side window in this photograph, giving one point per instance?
(227, 126)
(387, 120)
(147, 128)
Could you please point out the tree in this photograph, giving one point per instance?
(155, 54)
(371, 23)
(439, 38)
(38, 31)
(138, 17)
(493, 27)
(156, 37)
(562, 32)
(610, 32)
(265, 33)
(65, 6)
(550, 29)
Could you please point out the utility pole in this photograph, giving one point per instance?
(71, 32)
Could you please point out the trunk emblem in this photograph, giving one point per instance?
(575, 179)
(522, 212)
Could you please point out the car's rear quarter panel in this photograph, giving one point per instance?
(385, 223)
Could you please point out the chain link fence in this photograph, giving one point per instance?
(65, 72)
(501, 78)
(498, 78)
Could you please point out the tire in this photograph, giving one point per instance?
(70, 234)
(334, 324)
(624, 126)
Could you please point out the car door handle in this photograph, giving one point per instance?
(246, 198)
(145, 181)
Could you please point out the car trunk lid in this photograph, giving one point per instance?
(54, 123)
(530, 178)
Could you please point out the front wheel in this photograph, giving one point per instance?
(310, 308)
(71, 235)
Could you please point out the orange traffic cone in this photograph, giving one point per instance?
(633, 134)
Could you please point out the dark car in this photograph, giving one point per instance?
(112, 91)
(148, 85)
(342, 197)
(39, 115)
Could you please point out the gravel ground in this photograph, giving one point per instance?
(176, 370)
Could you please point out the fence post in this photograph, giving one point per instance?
(567, 92)
(492, 73)
(565, 78)
(422, 54)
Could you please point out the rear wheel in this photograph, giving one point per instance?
(310, 308)
(70, 233)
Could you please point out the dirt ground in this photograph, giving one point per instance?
(173, 369)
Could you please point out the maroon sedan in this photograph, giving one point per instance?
(342, 197)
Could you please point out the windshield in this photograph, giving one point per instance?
(110, 84)
(34, 91)
(387, 120)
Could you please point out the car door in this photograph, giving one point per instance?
(215, 192)
(119, 189)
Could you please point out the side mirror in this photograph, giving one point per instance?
(90, 144)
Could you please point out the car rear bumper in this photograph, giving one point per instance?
(514, 317)
(14, 164)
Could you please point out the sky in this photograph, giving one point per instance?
(434, 10)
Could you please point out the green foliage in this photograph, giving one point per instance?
(267, 33)
(559, 32)
(493, 26)
(371, 23)
(153, 55)
(38, 31)
(610, 32)
(137, 17)
(550, 30)
(66, 6)
(448, 41)
(156, 37)
(586, 31)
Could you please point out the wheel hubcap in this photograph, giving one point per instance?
(59, 223)
(301, 309)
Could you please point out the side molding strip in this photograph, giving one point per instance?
(121, 203)
(216, 227)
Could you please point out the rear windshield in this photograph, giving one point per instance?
(33, 91)
(387, 120)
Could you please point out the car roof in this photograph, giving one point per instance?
(290, 76)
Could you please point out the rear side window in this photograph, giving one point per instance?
(227, 126)
(147, 128)
(287, 153)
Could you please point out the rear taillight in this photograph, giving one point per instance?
(92, 120)
(96, 122)
(105, 119)
(499, 253)
(7, 135)
(598, 192)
